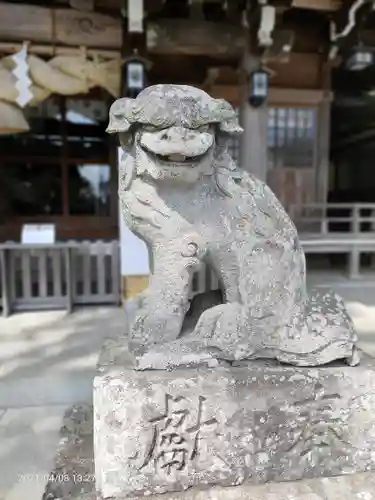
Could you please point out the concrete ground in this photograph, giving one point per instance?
(47, 362)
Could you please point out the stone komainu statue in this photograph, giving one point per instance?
(183, 195)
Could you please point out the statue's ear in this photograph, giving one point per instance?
(227, 118)
(119, 116)
(231, 127)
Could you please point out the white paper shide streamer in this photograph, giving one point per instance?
(135, 16)
(21, 72)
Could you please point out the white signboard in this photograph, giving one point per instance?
(38, 234)
(134, 253)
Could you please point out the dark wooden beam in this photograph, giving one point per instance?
(21, 22)
(187, 37)
(71, 27)
(113, 6)
(302, 71)
(231, 93)
(283, 42)
(296, 97)
(165, 37)
(320, 5)
(83, 5)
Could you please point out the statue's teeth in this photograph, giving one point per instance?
(176, 157)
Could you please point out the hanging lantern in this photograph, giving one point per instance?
(258, 88)
(134, 72)
(134, 77)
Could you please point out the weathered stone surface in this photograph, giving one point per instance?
(181, 192)
(73, 474)
(160, 431)
(75, 460)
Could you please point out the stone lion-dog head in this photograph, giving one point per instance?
(174, 133)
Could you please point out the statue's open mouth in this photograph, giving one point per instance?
(174, 158)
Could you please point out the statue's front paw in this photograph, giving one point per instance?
(154, 326)
(222, 323)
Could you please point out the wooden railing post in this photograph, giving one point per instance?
(354, 262)
(356, 220)
(115, 270)
(69, 270)
(5, 282)
(324, 221)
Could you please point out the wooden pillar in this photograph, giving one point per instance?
(322, 159)
(70, 279)
(323, 142)
(253, 146)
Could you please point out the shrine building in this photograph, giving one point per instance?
(299, 72)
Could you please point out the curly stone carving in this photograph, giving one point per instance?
(183, 195)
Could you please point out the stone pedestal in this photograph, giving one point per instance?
(157, 431)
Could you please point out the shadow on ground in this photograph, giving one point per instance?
(47, 343)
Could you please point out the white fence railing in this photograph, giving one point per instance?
(328, 218)
(82, 273)
(63, 275)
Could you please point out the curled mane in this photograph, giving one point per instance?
(165, 105)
